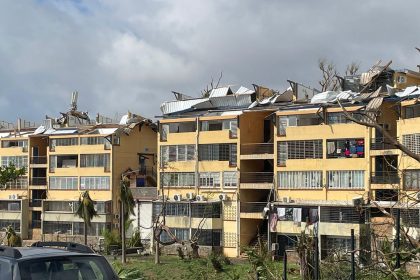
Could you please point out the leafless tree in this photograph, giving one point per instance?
(206, 91)
(329, 79)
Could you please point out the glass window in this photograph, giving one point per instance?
(346, 179)
(95, 183)
(17, 161)
(230, 179)
(94, 160)
(63, 183)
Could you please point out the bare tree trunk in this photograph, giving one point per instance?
(157, 257)
(85, 232)
(123, 257)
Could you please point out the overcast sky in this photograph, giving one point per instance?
(129, 55)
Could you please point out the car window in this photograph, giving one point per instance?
(5, 270)
(66, 268)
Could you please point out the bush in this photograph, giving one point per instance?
(111, 239)
(127, 273)
(135, 240)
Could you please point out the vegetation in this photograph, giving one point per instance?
(111, 239)
(127, 273)
(86, 211)
(9, 174)
(173, 268)
(13, 239)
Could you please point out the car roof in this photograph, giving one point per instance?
(32, 252)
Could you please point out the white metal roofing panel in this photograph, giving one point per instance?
(4, 134)
(178, 106)
(224, 101)
(231, 113)
(218, 92)
(106, 131)
(243, 99)
(63, 131)
(244, 90)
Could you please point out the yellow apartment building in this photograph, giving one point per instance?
(304, 162)
(63, 161)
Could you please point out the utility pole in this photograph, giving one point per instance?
(353, 264)
(123, 257)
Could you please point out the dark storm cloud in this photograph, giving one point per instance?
(129, 55)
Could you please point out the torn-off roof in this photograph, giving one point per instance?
(222, 91)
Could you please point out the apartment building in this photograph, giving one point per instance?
(62, 161)
(275, 166)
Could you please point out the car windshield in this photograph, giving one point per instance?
(66, 268)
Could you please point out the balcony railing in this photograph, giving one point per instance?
(36, 224)
(381, 143)
(39, 160)
(385, 177)
(257, 177)
(35, 202)
(253, 207)
(257, 148)
(38, 181)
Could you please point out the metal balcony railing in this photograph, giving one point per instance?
(39, 160)
(381, 143)
(257, 177)
(385, 177)
(36, 224)
(35, 202)
(257, 148)
(253, 207)
(38, 181)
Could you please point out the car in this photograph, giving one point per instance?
(53, 261)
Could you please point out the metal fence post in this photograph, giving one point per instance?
(353, 264)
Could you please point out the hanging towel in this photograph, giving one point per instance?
(273, 222)
(313, 216)
(281, 213)
(297, 215)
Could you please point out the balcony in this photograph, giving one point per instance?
(252, 210)
(35, 202)
(384, 177)
(39, 160)
(257, 151)
(381, 143)
(38, 181)
(256, 180)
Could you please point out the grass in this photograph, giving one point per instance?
(174, 268)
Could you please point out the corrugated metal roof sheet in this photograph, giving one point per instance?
(374, 104)
(178, 106)
(244, 90)
(222, 91)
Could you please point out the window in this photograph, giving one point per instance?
(14, 143)
(96, 229)
(94, 160)
(61, 206)
(94, 183)
(178, 179)
(57, 227)
(297, 120)
(19, 184)
(17, 161)
(340, 117)
(63, 161)
(346, 179)
(63, 183)
(230, 179)
(10, 206)
(218, 152)
(92, 140)
(73, 141)
(206, 210)
(412, 111)
(300, 180)
(208, 237)
(301, 149)
(412, 142)
(177, 153)
(341, 215)
(401, 79)
(177, 128)
(412, 179)
(209, 179)
(346, 148)
(180, 234)
(14, 223)
(213, 125)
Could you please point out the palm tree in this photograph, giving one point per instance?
(127, 205)
(86, 211)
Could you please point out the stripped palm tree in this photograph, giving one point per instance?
(127, 205)
(86, 211)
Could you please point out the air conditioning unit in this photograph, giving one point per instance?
(200, 198)
(223, 197)
(357, 201)
(117, 216)
(177, 197)
(286, 199)
(190, 195)
(275, 247)
(13, 196)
